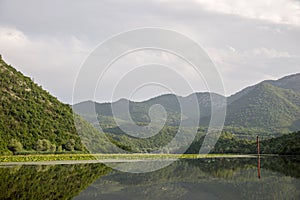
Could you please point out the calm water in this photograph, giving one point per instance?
(215, 178)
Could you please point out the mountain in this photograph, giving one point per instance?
(288, 144)
(291, 82)
(139, 111)
(32, 119)
(269, 106)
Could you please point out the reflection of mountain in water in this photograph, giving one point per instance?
(204, 179)
(48, 181)
(214, 178)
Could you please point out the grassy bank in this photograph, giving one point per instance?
(58, 157)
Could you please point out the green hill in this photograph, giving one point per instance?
(266, 107)
(272, 106)
(32, 119)
(139, 110)
(288, 144)
(291, 82)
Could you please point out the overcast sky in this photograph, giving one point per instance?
(248, 41)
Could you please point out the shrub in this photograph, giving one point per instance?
(15, 146)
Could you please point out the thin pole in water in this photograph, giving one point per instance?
(258, 157)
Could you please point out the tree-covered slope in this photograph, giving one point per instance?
(291, 82)
(31, 116)
(269, 106)
(265, 106)
(139, 111)
(288, 144)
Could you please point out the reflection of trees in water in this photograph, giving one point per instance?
(225, 178)
(42, 168)
(219, 178)
(48, 181)
(287, 165)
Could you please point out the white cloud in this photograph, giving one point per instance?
(231, 55)
(242, 68)
(279, 11)
(9, 36)
(269, 53)
(15, 43)
(52, 62)
(248, 40)
(231, 48)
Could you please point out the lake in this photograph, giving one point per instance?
(205, 178)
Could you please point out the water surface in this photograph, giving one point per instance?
(210, 178)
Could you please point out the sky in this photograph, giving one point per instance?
(248, 41)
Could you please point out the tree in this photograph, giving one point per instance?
(15, 146)
(53, 148)
(59, 149)
(70, 145)
(43, 145)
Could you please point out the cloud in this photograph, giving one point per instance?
(52, 62)
(241, 68)
(269, 53)
(248, 40)
(279, 11)
(230, 54)
(12, 39)
(12, 36)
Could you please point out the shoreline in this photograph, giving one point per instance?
(107, 158)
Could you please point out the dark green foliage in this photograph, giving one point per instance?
(291, 82)
(15, 146)
(52, 148)
(29, 113)
(34, 117)
(270, 108)
(154, 144)
(206, 178)
(70, 145)
(43, 145)
(287, 144)
(139, 111)
(40, 122)
(48, 181)
(266, 107)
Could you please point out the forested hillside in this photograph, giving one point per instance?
(288, 144)
(33, 120)
(266, 107)
(270, 107)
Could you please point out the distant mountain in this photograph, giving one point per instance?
(272, 105)
(32, 119)
(139, 110)
(291, 82)
(265, 106)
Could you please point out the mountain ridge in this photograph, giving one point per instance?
(249, 103)
(31, 119)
